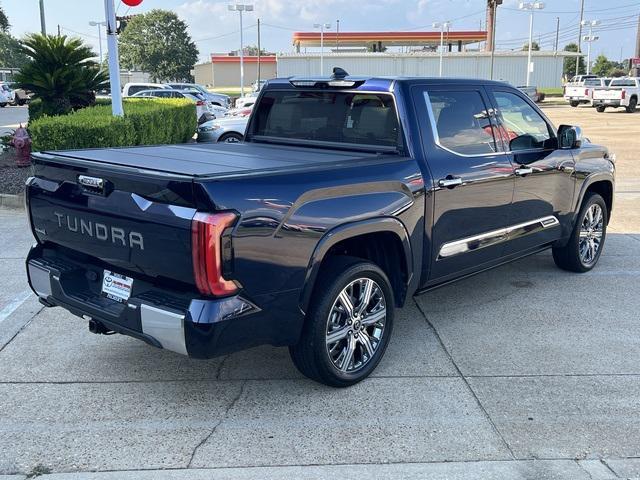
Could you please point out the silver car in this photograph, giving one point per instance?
(219, 99)
(228, 129)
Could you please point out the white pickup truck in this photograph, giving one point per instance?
(581, 90)
(622, 92)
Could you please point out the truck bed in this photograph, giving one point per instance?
(213, 160)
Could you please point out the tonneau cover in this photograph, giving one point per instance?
(203, 160)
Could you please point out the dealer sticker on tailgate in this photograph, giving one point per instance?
(116, 286)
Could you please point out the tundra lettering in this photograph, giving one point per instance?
(347, 196)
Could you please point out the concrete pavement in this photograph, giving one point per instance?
(523, 372)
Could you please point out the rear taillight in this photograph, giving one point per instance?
(586, 92)
(564, 91)
(201, 103)
(207, 240)
(624, 94)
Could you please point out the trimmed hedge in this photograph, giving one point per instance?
(145, 122)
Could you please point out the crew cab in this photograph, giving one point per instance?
(582, 91)
(622, 92)
(347, 196)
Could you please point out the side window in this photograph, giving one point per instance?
(521, 127)
(461, 122)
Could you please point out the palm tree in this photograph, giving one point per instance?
(60, 72)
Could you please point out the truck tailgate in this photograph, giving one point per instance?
(136, 224)
(608, 94)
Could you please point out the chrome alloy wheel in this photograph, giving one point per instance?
(355, 325)
(591, 232)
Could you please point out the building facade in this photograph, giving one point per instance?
(224, 70)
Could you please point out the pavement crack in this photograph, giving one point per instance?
(221, 366)
(215, 427)
(466, 382)
(604, 462)
(27, 323)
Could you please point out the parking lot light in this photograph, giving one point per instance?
(531, 6)
(322, 27)
(441, 26)
(241, 7)
(590, 39)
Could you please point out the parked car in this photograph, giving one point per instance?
(6, 95)
(532, 93)
(228, 129)
(218, 99)
(203, 108)
(130, 89)
(580, 92)
(621, 92)
(247, 101)
(19, 96)
(347, 196)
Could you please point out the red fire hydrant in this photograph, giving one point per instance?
(22, 143)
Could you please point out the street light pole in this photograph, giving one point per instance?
(43, 24)
(590, 39)
(241, 8)
(98, 24)
(114, 65)
(442, 26)
(531, 6)
(322, 26)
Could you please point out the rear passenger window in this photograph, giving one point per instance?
(461, 122)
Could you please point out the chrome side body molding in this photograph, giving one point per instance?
(495, 237)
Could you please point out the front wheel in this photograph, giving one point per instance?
(633, 103)
(348, 325)
(2, 105)
(230, 138)
(584, 248)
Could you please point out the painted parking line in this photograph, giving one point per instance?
(13, 306)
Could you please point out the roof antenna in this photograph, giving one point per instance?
(339, 73)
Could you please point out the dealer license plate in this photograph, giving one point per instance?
(116, 286)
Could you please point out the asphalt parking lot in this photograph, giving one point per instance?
(11, 118)
(523, 372)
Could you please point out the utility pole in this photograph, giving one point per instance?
(337, 35)
(114, 64)
(258, 53)
(43, 24)
(557, 34)
(637, 55)
(580, 37)
(492, 12)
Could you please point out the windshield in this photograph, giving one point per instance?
(349, 118)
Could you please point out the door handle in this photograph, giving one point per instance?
(523, 171)
(450, 182)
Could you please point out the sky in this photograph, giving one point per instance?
(215, 29)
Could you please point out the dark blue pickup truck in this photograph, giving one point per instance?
(348, 196)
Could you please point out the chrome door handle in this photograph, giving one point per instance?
(450, 182)
(523, 171)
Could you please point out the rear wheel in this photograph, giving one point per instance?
(583, 250)
(600, 108)
(348, 325)
(230, 138)
(2, 105)
(633, 103)
(574, 103)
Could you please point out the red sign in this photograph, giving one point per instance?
(132, 3)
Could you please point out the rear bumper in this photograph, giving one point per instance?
(608, 103)
(178, 321)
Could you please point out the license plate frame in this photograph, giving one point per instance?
(116, 286)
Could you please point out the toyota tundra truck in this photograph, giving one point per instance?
(348, 196)
(622, 92)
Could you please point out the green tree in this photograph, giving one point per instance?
(252, 50)
(60, 71)
(570, 62)
(534, 47)
(4, 21)
(11, 54)
(157, 42)
(602, 66)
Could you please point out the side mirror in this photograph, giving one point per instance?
(569, 137)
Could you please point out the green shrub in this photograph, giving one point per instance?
(145, 122)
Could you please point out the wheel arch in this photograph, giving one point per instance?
(382, 240)
(601, 183)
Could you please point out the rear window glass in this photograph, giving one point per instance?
(623, 83)
(462, 122)
(351, 118)
(592, 82)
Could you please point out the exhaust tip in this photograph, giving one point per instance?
(98, 328)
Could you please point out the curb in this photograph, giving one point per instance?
(12, 201)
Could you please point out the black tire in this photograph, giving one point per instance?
(311, 355)
(633, 103)
(2, 105)
(569, 257)
(600, 108)
(574, 104)
(231, 137)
